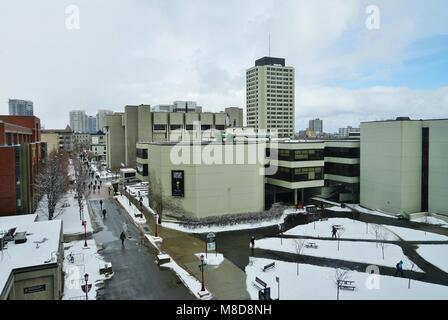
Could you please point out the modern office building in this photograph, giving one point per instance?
(21, 153)
(316, 125)
(32, 256)
(270, 96)
(91, 124)
(78, 121)
(58, 139)
(404, 166)
(140, 124)
(20, 107)
(235, 116)
(204, 178)
(101, 119)
(349, 132)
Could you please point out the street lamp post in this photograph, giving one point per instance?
(84, 223)
(155, 223)
(202, 270)
(86, 279)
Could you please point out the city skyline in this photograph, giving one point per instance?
(345, 73)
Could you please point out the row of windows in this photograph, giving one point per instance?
(142, 153)
(162, 127)
(342, 169)
(299, 174)
(296, 155)
(349, 153)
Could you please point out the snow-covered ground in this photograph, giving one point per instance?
(317, 283)
(353, 229)
(85, 260)
(67, 210)
(212, 258)
(339, 209)
(131, 209)
(435, 254)
(373, 212)
(188, 280)
(240, 226)
(366, 252)
(431, 220)
(415, 235)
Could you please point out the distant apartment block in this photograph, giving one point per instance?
(316, 125)
(20, 107)
(58, 139)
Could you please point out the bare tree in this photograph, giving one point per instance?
(383, 236)
(339, 234)
(299, 245)
(160, 203)
(52, 181)
(376, 230)
(81, 175)
(341, 275)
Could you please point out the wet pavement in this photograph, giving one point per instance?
(136, 275)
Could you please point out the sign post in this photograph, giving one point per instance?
(210, 243)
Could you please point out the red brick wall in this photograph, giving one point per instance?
(31, 122)
(8, 181)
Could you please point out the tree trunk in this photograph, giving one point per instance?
(297, 269)
(338, 244)
(382, 247)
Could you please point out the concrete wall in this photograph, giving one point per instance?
(210, 190)
(438, 166)
(115, 138)
(131, 134)
(391, 165)
(52, 140)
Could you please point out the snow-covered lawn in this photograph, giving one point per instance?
(240, 226)
(212, 258)
(317, 283)
(431, 220)
(353, 229)
(339, 209)
(416, 235)
(67, 211)
(366, 252)
(86, 260)
(374, 212)
(437, 254)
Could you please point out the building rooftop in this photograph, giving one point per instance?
(40, 248)
(405, 119)
(269, 61)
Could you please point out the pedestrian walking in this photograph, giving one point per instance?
(101, 182)
(399, 268)
(104, 213)
(122, 237)
(94, 188)
(101, 204)
(109, 190)
(90, 187)
(334, 232)
(252, 242)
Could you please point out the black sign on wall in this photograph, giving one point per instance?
(177, 183)
(34, 289)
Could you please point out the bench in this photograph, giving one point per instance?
(269, 266)
(260, 284)
(311, 245)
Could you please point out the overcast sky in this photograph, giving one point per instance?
(134, 52)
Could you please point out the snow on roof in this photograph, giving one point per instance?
(128, 170)
(43, 239)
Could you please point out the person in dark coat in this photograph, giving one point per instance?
(104, 213)
(94, 188)
(252, 242)
(122, 237)
(334, 232)
(399, 268)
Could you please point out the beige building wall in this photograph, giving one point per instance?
(391, 166)
(210, 190)
(115, 137)
(235, 116)
(130, 120)
(52, 140)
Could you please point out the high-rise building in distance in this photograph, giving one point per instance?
(20, 107)
(270, 96)
(100, 119)
(78, 120)
(316, 125)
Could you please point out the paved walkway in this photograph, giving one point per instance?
(136, 275)
(226, 281)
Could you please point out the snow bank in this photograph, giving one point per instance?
(435, 254)
(131, 209)
(212, 258)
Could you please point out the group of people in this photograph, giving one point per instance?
(95, 185)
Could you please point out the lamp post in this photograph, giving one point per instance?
(202, 270)
(155, 223)
(84, 223)
(86, 279)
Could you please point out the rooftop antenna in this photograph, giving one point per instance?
(269, 44)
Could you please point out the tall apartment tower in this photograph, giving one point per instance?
(78, 121)
(20, 107)
(101, 118)
(316, 125)
(270, 96)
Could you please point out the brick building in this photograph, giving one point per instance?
(21, 152)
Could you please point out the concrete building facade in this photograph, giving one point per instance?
(270, 96)
(404, 166)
